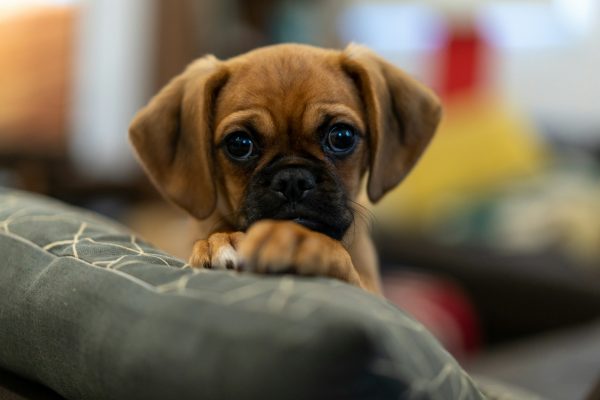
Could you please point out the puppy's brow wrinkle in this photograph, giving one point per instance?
(260, 118)
(333, 111)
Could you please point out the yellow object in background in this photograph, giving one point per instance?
(481, 143)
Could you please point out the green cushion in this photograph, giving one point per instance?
(93, 312)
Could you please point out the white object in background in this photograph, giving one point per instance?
(114, 59)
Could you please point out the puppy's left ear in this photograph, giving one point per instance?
(402, 117)
(173, 137)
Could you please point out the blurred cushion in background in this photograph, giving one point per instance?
(439, 304)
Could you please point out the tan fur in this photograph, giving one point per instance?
(273, 246)
(284, 92)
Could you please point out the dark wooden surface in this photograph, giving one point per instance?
(515, 295)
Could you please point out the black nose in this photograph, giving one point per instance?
(293, 183)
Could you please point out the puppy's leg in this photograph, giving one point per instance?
(219, 251)
(280, 246)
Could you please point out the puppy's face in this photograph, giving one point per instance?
(290, 139)
(284, 132)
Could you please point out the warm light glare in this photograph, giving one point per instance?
(12, 7)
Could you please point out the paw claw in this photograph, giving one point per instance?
(226, 258)
(217, 252)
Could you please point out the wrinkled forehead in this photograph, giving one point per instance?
(287, 86)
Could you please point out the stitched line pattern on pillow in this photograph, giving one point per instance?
(67, 232)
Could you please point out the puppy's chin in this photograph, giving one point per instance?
(311, 224)
(334, 227)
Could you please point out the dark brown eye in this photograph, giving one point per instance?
(341, 139)
(240, 146)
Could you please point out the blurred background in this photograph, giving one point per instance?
(493, 241)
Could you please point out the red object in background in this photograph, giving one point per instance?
(462, 62)
(441, 306)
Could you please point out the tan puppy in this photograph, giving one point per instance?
(268, 150)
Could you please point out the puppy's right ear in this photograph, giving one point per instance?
(402, 117)
(173, 136)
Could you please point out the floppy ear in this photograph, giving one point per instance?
(173, 136)
(402, 117)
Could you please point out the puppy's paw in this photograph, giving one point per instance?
(285, 246)
(219, 251)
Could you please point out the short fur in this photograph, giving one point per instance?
(286, 97)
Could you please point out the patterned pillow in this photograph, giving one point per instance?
(91, 311)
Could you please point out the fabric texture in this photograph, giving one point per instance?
(92, 311)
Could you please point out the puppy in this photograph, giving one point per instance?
(268, 151)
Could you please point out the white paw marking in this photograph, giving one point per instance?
(226, 258)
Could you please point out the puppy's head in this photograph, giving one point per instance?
(284, 132)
